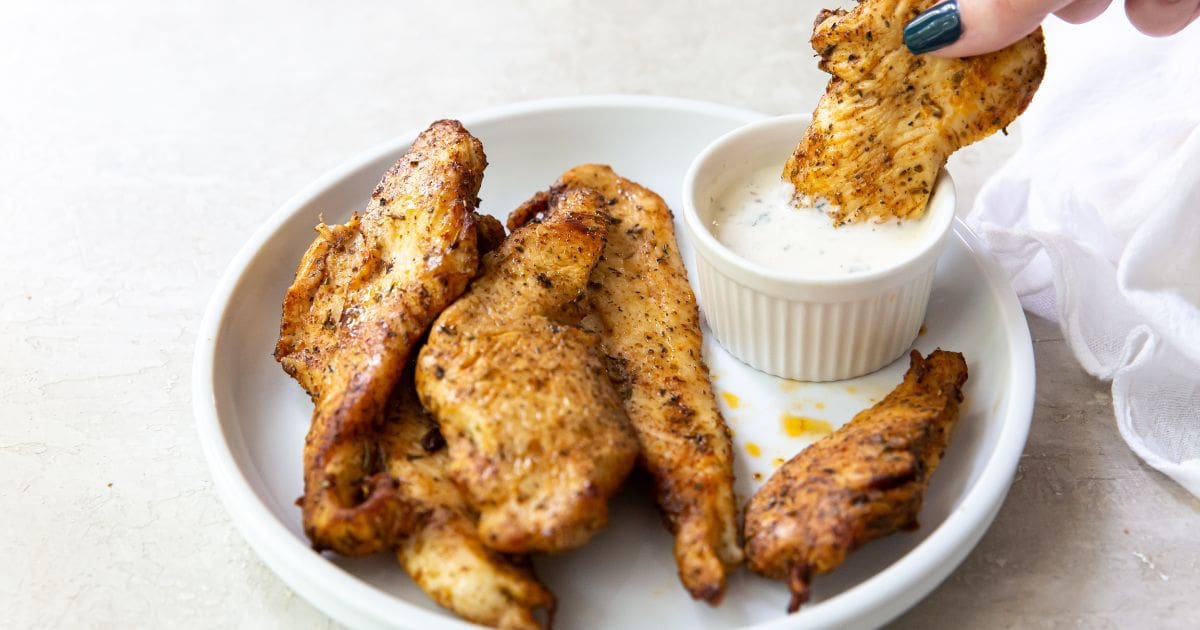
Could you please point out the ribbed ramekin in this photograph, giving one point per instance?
(789, 325)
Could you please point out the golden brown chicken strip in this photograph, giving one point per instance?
(650, 326)
(364, 294)
(444, 555)
(889, 119)
(864, 481)
(537, 436)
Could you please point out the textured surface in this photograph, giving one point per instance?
(889, 119)
(649, 323)
(537, 437)
(365, 293)
(141, 143)
(445, 555)
(865, 481)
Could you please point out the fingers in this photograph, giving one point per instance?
(1161, 17)
(962, 28)
(1082, 11)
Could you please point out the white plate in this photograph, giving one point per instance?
(252, 417)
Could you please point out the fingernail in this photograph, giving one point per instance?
(936, 27)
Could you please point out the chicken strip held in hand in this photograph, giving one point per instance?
(863, 482)
(889, 119)
(537, 437)
(444, 555)
(650, 326)
(364, 294)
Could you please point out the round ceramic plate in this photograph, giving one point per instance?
(252, 418)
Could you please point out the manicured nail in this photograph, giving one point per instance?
(936, 27)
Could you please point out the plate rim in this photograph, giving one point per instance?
(873, 601)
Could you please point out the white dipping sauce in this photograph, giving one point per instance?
(755, 218)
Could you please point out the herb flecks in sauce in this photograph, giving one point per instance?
(755, 218)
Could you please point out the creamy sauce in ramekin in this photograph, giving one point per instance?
(754, 217)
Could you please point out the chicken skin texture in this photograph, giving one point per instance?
(538, 440)
(889, 120)
(444, 555)
(364, 295)
(650, 327)
(863, 482)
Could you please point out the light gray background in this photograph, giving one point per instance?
(140, 144)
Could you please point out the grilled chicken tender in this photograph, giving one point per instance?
(364, 294)
(444, 555)
(889, 119)
(864, 481)
(650, 326)
(537, 437)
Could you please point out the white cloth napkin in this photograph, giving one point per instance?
(1097, 220)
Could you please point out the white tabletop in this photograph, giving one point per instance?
(140, 144)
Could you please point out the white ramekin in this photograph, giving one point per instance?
(808, 329)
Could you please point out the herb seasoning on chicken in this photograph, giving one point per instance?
(863, 482)
(889, 119)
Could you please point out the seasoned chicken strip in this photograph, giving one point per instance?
(444, 555)
(864, 481)
(889, 119)
(537, 436)
(364, 294)
(650, 326)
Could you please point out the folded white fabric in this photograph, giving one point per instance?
(1097, 220)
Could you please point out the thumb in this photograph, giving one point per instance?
(962, 28)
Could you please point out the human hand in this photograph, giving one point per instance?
(962, 28)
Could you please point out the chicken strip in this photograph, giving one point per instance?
(444, 555)
(863, 482)
(650, 327)
(364, 294)
(889, 119)
(538, 440)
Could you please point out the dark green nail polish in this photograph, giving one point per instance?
(936, 27)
